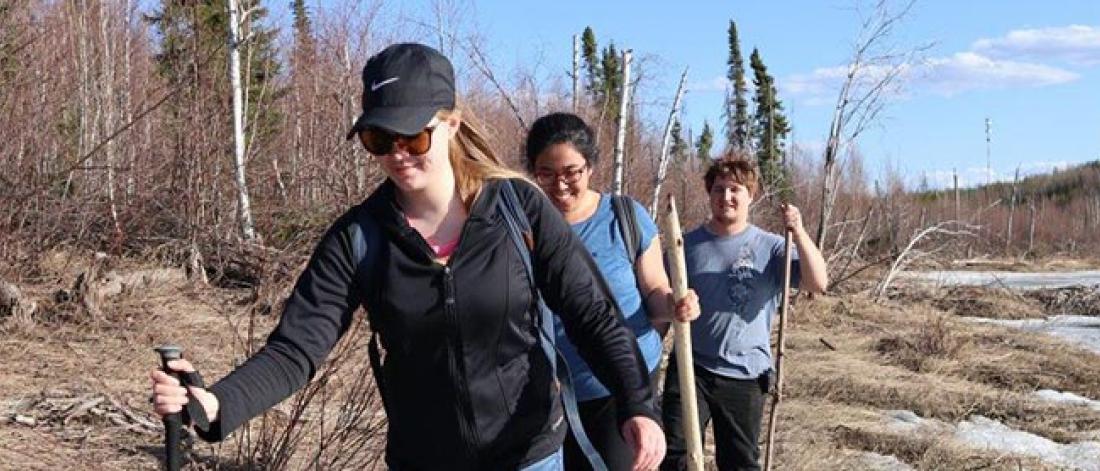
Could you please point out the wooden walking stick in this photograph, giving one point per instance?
(681, 332)
(777, 396)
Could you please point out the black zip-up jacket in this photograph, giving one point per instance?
(467, 383)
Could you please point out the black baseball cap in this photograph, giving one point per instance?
(404, 86)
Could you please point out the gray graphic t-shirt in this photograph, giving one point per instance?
(739, 279)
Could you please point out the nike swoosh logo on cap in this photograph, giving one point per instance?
(376, 85)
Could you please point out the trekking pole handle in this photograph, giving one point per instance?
(173, 423)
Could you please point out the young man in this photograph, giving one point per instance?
(736, 269)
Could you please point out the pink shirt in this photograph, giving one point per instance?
(443, 250)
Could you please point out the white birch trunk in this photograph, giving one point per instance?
(107, 95)
(666, 142)
(245, 212)
(127, 99)
(620, 140)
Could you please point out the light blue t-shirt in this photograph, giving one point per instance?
(601, 236)
(738, 279)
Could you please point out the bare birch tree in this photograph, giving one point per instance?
(248, 230)
(666, 144)
(873, 76)
(620, 139)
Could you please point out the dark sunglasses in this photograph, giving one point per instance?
(379, 142)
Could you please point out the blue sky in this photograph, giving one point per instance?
(1032, 67)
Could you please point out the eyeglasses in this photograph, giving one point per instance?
(568, 176)
(380, 142)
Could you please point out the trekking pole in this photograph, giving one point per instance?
(777, 396)
(173, 423)
(681, 336)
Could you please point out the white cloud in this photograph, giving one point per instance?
(814, 87)
(1015, 60)
(820, 87)
(967, 71)
(715, 84)
(961, 72)
(1078, 44)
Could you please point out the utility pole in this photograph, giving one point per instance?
(988, 151)
(1011, 211)
(955, 177)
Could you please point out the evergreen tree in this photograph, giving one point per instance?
(770, 127)
(589, 50)
(737, 106)
(303, 30)
(704, 143)
(193, 55)
(611, 80)
(604, 71)
(11, 32)
(678, 148)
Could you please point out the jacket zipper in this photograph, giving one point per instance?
(465, 407)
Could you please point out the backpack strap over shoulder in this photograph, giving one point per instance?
(519, 229)
(366, 244)
(627, 220)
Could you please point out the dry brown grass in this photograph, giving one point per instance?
(850, 360)
(931, 343)
(973, 301)
(63, 355)
(912, 356)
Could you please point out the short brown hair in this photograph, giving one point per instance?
(740, 170)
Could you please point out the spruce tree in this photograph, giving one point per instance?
(611, 80)
(11, 32)
(193, 55)
(303, 30)
(737, 106)
(678, 148)
(770, 127)
(589, 51)
(705, 142)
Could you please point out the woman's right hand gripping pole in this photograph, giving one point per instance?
(169, 397)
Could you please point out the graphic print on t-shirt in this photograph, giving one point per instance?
(741, 272)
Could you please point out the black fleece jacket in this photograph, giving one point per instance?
(467, 384)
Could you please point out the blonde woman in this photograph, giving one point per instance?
(466, 382)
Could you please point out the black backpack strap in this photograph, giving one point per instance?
(518, 225)
(366, 240)
(627, 220)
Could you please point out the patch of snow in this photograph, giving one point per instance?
(875, 462)
(1017, 280)
(1082, 330)
(904, 418)
(905, 421)
(1066, 397)
(984, 433)
(981, 432)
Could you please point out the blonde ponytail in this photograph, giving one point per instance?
(473, 160)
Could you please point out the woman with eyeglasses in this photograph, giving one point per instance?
(465, 382)
(561, 153)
